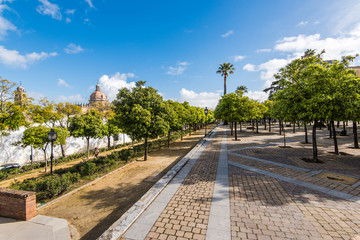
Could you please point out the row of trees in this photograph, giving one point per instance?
(309, 90)
(312, 90)
(141, 113)
(236, 108)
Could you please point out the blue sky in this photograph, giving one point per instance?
(61, 49)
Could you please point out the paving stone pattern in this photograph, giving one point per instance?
(299, 175)
(186, 215)
(265, 208)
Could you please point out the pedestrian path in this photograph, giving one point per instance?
(233, 190)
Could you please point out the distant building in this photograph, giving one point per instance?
(357, 69)
(98, 96)
(20, 95)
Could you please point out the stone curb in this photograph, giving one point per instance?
(127, 219)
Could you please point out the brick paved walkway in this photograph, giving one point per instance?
(260, 206)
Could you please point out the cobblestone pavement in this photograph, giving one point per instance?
(272, 194)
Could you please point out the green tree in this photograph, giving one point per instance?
(225, 69)
(181, 113)
(64, 113)
(234, 107)
(141, 113)
(88, 125)
(11, 115)
(257, 112)
(44, 113)
(111, 129)
(38, 137)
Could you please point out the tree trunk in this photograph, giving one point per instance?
(335, 140)
(293, 127)
(344, 128)
(63, 152)
(257, 126)
(330, 130)
(284, 136)
(356, 142)
(269, 124)
(306, 134)
(168, 139)
(253, 124)
(231, 129)
(87, 147)
(338, 124)
(181, 134)
(265, 122)
(189, 129)
(235, 132)
(279, 127)
(146, 149)
(109, 145)
(315, 153)
(224, 85)
(240, 127)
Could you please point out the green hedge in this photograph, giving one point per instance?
(50, 186)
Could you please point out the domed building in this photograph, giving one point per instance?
(98, 96)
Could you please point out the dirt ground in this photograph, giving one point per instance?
(94, 208)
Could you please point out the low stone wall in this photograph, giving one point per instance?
(17, 204)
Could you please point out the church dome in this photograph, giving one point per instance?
(97, 95)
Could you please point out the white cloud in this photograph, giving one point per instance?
(70, 99)
(302, 23)
(249, 67)
(295, 46)
(238, 58)
(269, 68)
(346, 44)
(62, 82)
(263, 50)
(111, 85)
(35, 95)
(68, 20)
(5, 25)
(14, 59)
(90, 3)
(203, 99)
(48, 8)
(73, 48)
(228, 33)
(178, 69)
(257, 95)
(70, 11)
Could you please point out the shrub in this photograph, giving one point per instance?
(3, 175)
(87, 168)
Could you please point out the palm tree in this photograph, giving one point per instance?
(242, 88)
(224, 70)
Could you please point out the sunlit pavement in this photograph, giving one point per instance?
(252, 189)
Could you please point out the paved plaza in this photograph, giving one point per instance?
(253, 189)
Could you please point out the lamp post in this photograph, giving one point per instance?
(206, 113)
(52, 136)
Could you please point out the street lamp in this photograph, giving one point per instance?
(206, 113)
(52, 136)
